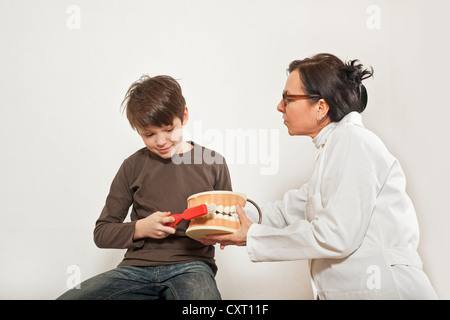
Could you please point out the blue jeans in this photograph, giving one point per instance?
(185, 281)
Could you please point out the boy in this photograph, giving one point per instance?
(161, 262)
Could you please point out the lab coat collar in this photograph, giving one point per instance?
(353, 117)
(323, 135)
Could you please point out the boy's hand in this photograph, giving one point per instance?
(154, 226)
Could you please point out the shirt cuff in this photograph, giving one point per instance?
(135, 243)
(250, 243)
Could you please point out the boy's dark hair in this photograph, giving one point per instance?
(338, 83)
(154, 101)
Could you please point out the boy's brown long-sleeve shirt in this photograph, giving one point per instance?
(149, 183)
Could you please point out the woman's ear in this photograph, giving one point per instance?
(322, 109)
(185, 115)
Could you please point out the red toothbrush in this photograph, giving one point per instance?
(192, 213)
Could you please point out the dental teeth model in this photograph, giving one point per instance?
(223, 220)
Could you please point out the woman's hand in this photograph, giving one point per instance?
(154, 226)
(239, 238)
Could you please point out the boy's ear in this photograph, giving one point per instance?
(185, 115)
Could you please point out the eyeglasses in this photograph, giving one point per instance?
(289, 97)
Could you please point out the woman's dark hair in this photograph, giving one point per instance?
(338, 83)
(154, 101)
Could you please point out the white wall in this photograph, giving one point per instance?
(66, 65)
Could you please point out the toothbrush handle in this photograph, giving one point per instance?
(178, 218)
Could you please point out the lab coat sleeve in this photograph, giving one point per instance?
(350, 175)
(282, 213)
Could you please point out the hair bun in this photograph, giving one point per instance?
(354, 73)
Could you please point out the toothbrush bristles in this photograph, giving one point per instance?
(211, 207)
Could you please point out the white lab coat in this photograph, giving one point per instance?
(353, 221)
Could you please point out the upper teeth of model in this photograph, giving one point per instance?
(225, 209)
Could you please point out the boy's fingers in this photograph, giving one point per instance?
(166, 220)
(168, 230)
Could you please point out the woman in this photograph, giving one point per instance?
(353, 220)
